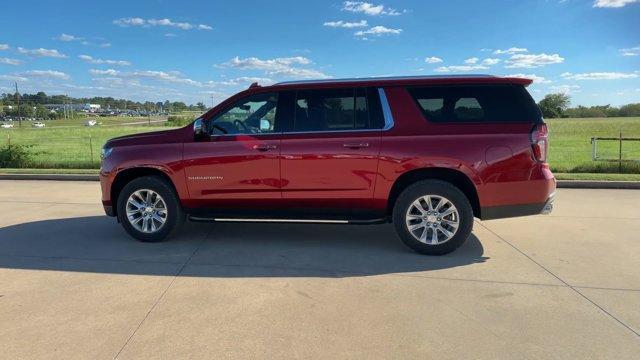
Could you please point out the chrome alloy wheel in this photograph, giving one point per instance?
(432, 219)
(146, 211)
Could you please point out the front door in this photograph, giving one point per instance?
(239, 164)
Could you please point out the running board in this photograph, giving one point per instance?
(303, 221)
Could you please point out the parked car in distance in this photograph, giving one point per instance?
(425, 153)
(38, 124)
(6, 126)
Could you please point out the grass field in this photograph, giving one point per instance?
(66, 144)
(570, 144)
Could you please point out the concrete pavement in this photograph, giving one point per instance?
(74, 285)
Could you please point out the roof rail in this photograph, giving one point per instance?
(390, 78)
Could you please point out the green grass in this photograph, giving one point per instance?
(570, 144)
(597, 176)
(68, 147)
(65, 143)
(50, 171)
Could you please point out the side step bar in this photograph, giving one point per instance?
(302, 221)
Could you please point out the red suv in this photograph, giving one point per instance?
(426, 153)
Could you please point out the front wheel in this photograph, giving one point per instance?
(433, 217)
(149, 209)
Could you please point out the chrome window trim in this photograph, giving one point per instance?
(386, 110)
(386, 113)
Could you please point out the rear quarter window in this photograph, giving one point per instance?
(476, 103)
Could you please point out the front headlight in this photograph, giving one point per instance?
(105, 152)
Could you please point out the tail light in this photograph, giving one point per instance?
(540, 142)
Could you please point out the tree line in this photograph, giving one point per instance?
(557, 106)
(41, 98)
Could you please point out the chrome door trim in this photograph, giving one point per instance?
(386, 110)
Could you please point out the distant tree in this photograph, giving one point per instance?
(554, 105)
(201, 106)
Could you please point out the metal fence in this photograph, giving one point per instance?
(619, 140)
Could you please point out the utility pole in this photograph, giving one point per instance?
(18, 101)
(212, 100)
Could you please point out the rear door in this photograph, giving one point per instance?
(329, 152)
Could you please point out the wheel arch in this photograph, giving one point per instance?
(454, 177)
(125, 176)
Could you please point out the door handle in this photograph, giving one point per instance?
(264, 147)
(356, 145)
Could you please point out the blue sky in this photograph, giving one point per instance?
(207, 50)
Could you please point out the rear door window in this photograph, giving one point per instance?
(476, 103)
(329, 110)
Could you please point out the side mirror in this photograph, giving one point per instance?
(199, 130)
(265, 125)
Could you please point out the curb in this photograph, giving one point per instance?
(589, 184)
(562, 184)
(57, 177)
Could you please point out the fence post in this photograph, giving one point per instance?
(91, 150)
(620, 155)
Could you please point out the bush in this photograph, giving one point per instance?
(174, 120)
(15, 156)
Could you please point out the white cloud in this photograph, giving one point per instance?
(533, 60)
(510, 51)
(13, 78)
(536, 79)
(460, 68)
(243, 80)
(565, 89)
(8, 61)
(612, 3)
(105, 45)
(634, 51)
(472, 60)
(93, 60)
(600, 76)
(42, 52)
(171, 76)
(45, 74)
(4, 47)
(490, 61)
(378, 31)
(278, 66)
(136, 21)
(170, 35)
(348, 25)
(67, 37)
(110, 72)
(432, 60)
(369, 8)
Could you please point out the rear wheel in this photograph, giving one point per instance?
(149, 209)
(433, 217)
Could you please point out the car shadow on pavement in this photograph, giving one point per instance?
(98, 244)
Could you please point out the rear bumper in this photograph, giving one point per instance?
(507, 211)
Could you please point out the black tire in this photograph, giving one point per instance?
(175, 215)
(439, 188)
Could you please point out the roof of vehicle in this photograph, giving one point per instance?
(407, 80)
